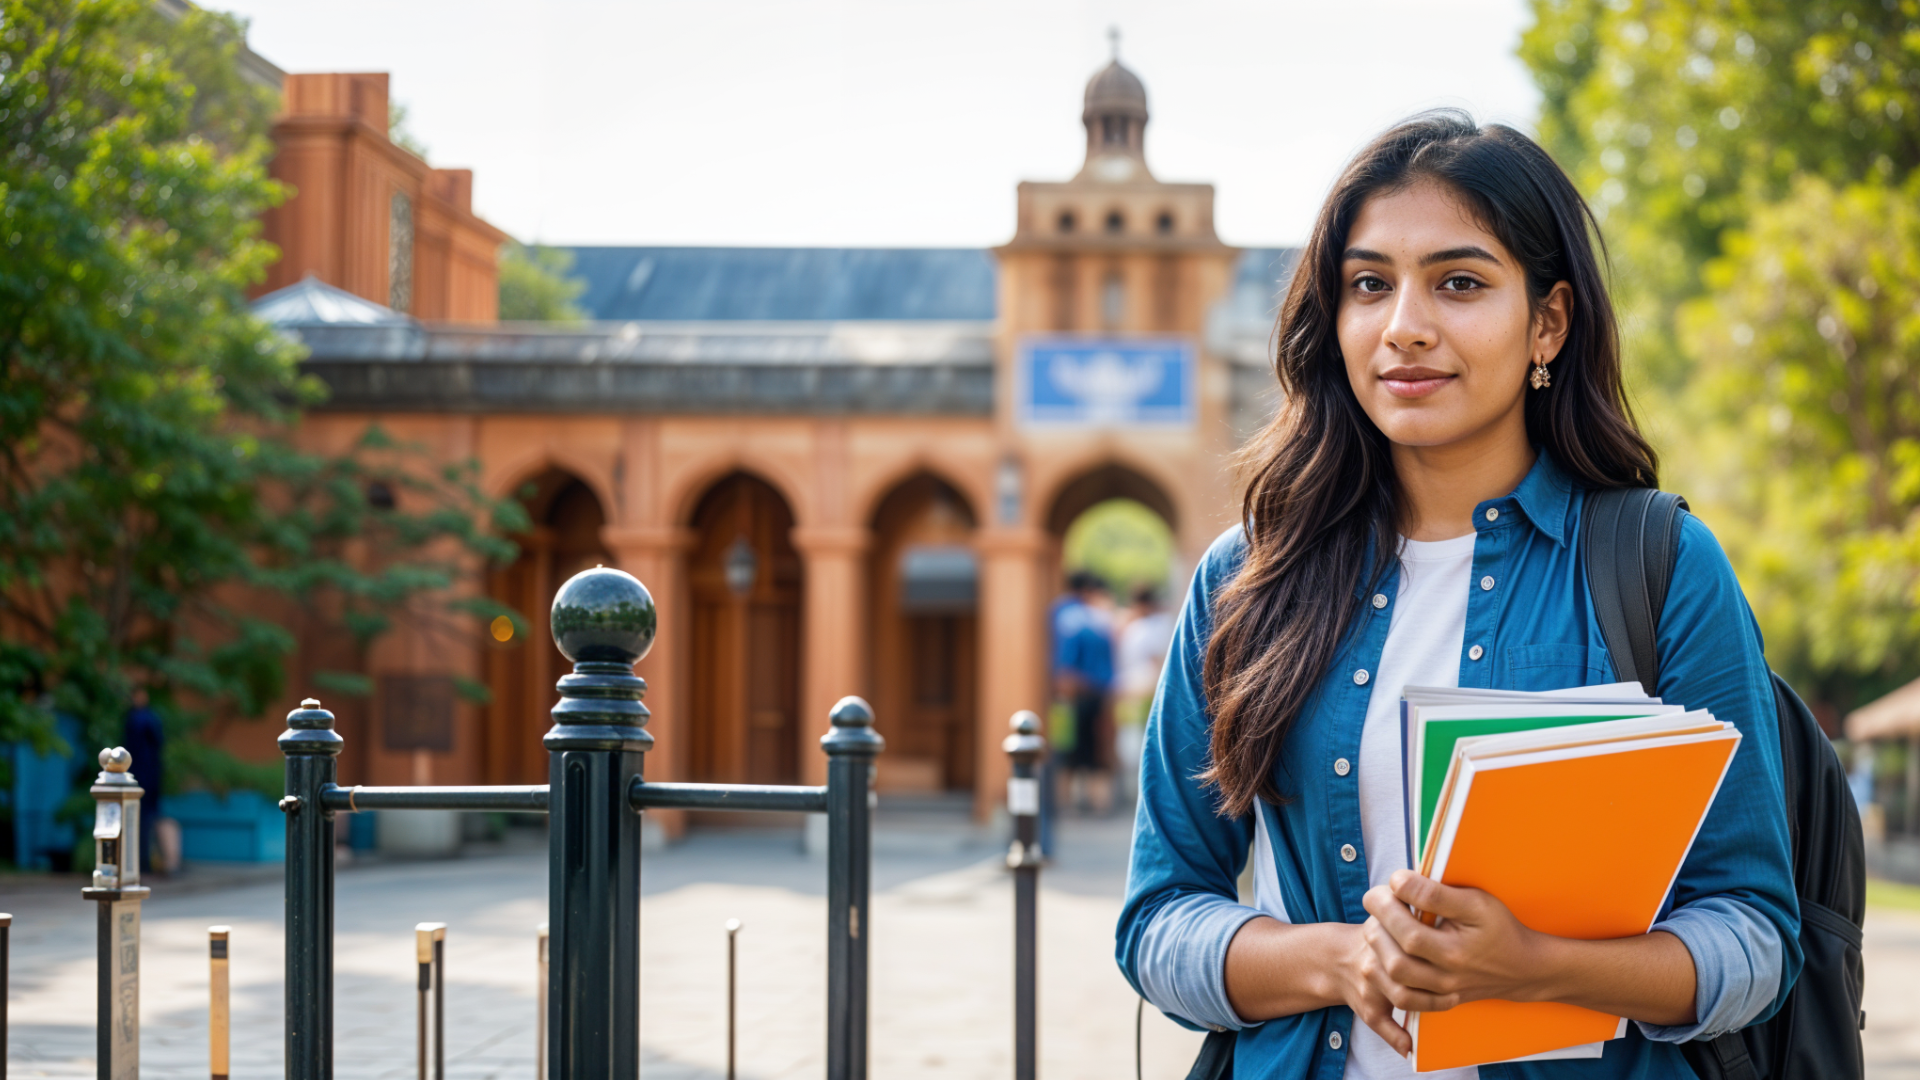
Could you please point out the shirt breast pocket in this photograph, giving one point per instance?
(1555, 666)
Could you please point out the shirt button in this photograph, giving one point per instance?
(1486, 583)
(1476, 653)
(1493, 513)
(1342, 767)
(1347, 853)
(1333, 1040)
(1360, 677)
(1379, 600)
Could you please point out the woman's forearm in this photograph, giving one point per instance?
(1648, 978)
(1277, 969)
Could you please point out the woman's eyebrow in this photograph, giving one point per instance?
(1456, 254)
(1365, 255)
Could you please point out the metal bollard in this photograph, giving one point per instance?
(117, 890)
(430, 951)
(540, 1014)
(219, 1013)
(733, 931)
(1025, 746)
(312, 750)
(6, 948)
(851, 746)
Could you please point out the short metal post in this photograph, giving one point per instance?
(851, 746)
(116, 888)
(312, 749)
(603, 620)
(1025, 746)
(540, 1011)
(6, 961)
(429, 951)
(219, 1013)
(733, 931)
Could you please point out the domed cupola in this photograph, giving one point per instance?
(1116, 119)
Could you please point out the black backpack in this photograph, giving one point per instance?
(1629, 538)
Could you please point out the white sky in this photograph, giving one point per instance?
(887, 122)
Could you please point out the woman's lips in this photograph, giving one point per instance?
(1413, 382)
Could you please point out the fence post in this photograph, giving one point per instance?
(851, 746)
(6, 990)
(312, 749)
(733, 999)
(219, 1009)
(1025, 746)
(603, 621)
(116, 888)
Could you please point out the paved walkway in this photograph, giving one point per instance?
(942, 966)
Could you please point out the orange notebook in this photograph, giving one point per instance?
(1581, 841)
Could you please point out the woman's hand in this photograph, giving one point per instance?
(1478, 949)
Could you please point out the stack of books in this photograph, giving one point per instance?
(1576, 808)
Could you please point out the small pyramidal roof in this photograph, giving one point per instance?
(312, 302)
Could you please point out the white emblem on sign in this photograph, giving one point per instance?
(1111, 385)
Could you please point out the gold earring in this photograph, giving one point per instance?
(1540, 379)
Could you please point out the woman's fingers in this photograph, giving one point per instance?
(1446, 901)
(1412, 935)
(1408, 981)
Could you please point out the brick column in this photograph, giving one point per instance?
(658, 557)
(833, 631)
(1013, 646)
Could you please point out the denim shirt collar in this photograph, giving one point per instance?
(1545, 496)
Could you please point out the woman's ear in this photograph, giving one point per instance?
(1554, 322)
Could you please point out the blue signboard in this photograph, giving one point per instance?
(1095, 382)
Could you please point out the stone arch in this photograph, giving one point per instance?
(744, 596)
(973, 486)
(1090, 485)
(689, 486)
(922, 590)
(568, 520)
(506, 480)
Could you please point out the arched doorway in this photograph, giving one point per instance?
(522, 662)
(744, 582)
(923, 581)
(1118, 527)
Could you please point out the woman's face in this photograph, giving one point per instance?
(1435, 324)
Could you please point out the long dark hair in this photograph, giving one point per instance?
(1321, 510)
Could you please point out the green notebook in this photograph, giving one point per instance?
(1429, 732)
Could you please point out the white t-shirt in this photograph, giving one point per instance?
(1143, 652)
(1424, 639)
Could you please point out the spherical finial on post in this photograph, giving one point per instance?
(852, 731)
(116, 759)
(1026, 743)
(603, 616)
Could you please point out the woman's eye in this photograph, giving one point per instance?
(1370, 285)
(1460, 283)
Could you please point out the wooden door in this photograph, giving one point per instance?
(939, 720)
(746, 655)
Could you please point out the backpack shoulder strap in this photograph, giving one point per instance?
(1628, 540)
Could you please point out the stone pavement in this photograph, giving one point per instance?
(941, 948)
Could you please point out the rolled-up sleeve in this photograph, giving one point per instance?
(1733, 904)
(1181, 912)
(1736, 966)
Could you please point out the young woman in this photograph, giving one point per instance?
(1452, 379)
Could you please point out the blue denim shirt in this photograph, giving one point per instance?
(1733, 904)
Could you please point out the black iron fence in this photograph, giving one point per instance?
(589, 949)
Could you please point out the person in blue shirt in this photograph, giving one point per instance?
(1082, 680)
(1450, 371)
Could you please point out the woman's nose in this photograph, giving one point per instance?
(1410, 326)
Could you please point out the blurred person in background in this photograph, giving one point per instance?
(145, 739)
(1142, 651)
(1082, 685)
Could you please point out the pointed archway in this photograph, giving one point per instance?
(744, 579)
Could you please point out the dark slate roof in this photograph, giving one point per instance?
(705, 284)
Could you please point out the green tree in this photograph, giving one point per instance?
(1806, 345)
(157, 524)
(1753, 164)
(536, 286)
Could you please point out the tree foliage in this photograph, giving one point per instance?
(158, 524)
(1752, 162)
(535, 285)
